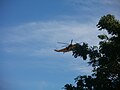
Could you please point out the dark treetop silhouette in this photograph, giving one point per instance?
(104, 58)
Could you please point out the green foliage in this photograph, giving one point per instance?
(81, 50)
(109, 23)
(104, 59)
(69, 87)
(102, 37)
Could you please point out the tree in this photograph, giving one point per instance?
(104, 58)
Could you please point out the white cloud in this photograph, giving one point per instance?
(39, 39)
(41, 36)
(80, 66)
(95, 8)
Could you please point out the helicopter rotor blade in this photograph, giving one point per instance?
(71, 41)
(62, 43)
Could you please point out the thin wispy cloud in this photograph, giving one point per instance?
(45, 35)
(39, 39)
(94, 8)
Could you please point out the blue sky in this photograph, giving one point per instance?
(29, 32)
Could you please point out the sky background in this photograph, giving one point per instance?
(29, 32)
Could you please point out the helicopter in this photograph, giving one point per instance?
(70, 47)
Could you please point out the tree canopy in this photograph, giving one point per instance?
(104, 58)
